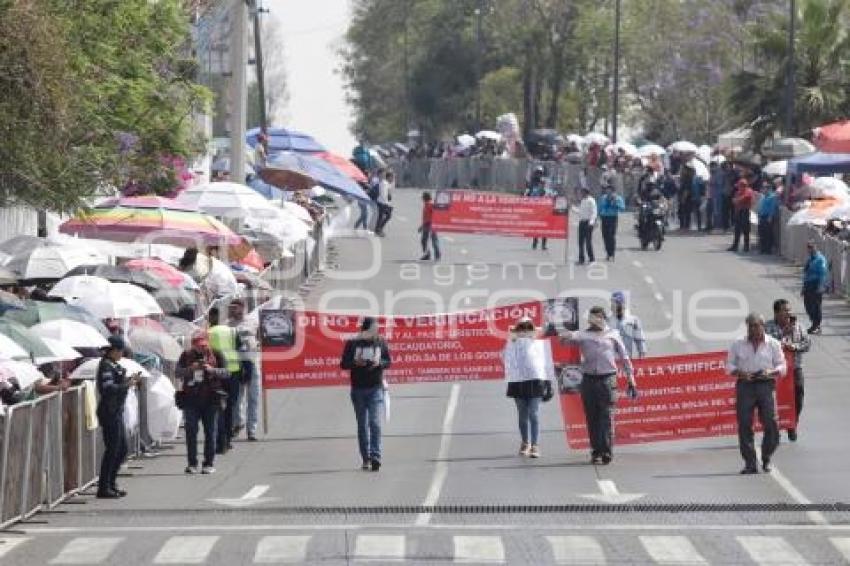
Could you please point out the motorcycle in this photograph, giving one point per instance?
(651, 215)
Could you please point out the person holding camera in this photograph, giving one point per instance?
(756, 361)
(785, 328)
(112, 386)
(610, 206)
(201, 371)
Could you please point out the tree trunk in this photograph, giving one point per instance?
(557, 85)
(528, 95)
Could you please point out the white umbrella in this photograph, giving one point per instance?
(700, 169)
(489, 135)
(227, 200)
(145, 339)
(776, 168)
(684, 147)
(576, 139)
(596, 137)
(704, 153)
(121, 300)
(25, 373)
(60, 352)
(826, 187)
(53, 261)
(80, 286)
(10, 349)
(88, 369)
(651, 149)
(298, 211)
(163, 415)
(466, 140)
(628, 148)
(71, 332)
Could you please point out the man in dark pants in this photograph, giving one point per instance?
(785, 328)
(225, 340)
(587, 213)
(600, 348)
(756, 361)
(742, 203)
(610, 206)
(112, 386)
(815, 273)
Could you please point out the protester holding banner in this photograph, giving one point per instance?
(529, 372)
(628, 325)
(756, 361)
(785, 328)
(367, 356)
(600, 347)
(610, 206)
(586, 221)
(426, 229)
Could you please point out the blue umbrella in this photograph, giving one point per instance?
(281, 139)
(269, 191)
(299, 171)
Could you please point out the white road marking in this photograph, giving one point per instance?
(576, 550)
(659, 297)
(441, 469)
(637, 264)
(610, 494)
(815, 517)
(256, 492)
(252, 497)
(608, 487)
(87, 550)
(842, 545)
(773, 551)
(185, 550)
(467, 300)
(386, 548)
(672, 550)
(478, 549)
(281, 549)
(8, 544)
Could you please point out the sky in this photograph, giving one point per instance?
(313, 30)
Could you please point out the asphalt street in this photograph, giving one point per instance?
(298, 496)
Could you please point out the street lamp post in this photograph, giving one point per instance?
(790, 79)
(616, 95)
(479, 15)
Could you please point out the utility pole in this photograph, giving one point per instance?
(479, 16)
(238, 91)
(790, 79)
(258, 64)
(406, 68)
(616, 97)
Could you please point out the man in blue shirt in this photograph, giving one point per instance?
(815, 274)
(767, 210)
(610, 206)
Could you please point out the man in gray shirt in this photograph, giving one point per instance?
(785, 328)
(600, 347)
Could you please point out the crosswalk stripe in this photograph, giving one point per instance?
(576, 550)
(185, 550)
(281, 549)
(479, 549)
(671, 550)
(8, 544)
(87, 550)
(379, 547)
(842, 544)
(771, 551)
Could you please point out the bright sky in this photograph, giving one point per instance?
(313, 30)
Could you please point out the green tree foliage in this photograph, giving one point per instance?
(93, 93)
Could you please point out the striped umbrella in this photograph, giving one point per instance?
(154, 220)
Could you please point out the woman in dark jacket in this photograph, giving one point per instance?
(526, 388)
(201, 371)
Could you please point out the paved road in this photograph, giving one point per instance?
(453, 445)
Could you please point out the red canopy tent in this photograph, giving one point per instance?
(833, 138)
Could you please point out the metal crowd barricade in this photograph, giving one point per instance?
(72, 428)
(55, 488)
(34, 485)
(16, 453)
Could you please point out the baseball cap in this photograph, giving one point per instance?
(116, 343)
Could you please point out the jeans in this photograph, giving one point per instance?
(114, 448)
(585, 240)
(363, 220)
(368, 406)
(599, 395)
(813, 301)
(249, 400)
(429, 233)
(193, 416)
(226, 416)
(749, 396)
(385, 211)
(742, 226)
(609, 234)
(765, 235)
(527, 409)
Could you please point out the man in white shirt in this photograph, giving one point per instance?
(385, 209)
(629, 326)
(586, 221)
(756, 361)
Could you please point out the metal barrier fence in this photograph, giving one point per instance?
(793, 241)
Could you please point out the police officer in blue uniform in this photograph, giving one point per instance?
(112, 387)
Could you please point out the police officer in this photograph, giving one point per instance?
(112, 386)
(600, 348)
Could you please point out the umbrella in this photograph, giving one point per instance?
(345, 166)
(683, 147)
(174, 299)
(628, 149)
(146, 339)
(649, 149)
(70, 332)
(88, 369)
(60, 352)
(25, 373)
(597, 138)
(776, 168)
(704, 153)
(298, 171)
(9, 301)
(119, 300)
(269, 192)
(80, 286)
(163, 271)
(51, 261)
(284, 139)
(40, 311)
(252, 280)
(789, 147)
(34, 345)
(821, 163)
(833, 138)
(118, 274)
(7, 276)
(377, 158)
(153, 219)
(20, 244)
(576, 139)
(10, 349)
(489, 135)
(466, 140)
(825, 187)
(227, 200)
(700, 169)
(163, 416)
(817, 212)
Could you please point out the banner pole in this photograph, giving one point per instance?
(567, 238)
(265, 411)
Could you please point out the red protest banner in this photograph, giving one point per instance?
(304, 349)
(681, 397)
(476, 212)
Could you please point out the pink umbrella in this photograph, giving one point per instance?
(160, 269)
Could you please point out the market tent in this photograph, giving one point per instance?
(820, 164)
(833, 138)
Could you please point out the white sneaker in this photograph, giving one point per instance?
(208, 470)
(534, 451)
(191, 469)
(524, 449)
